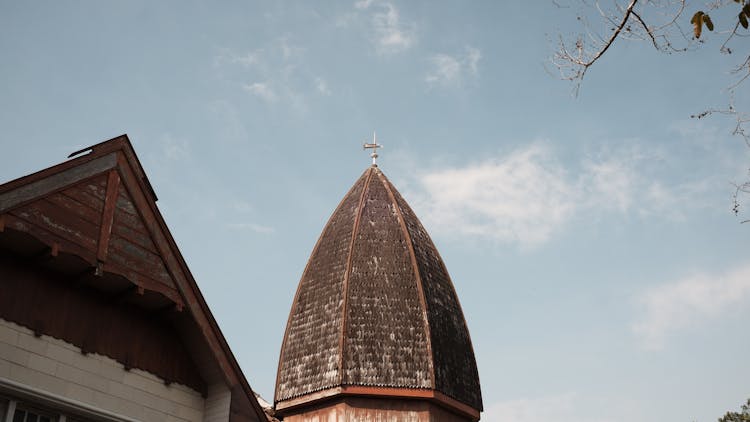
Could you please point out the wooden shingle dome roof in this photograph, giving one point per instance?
(375, 311)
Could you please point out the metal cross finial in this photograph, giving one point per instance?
(374, 145)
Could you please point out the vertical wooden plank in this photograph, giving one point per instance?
(110, 203)
(2, 223)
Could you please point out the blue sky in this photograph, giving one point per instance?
(590, 238)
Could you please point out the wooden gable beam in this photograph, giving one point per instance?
(45, 186)
(108, 214)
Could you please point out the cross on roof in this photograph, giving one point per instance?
(374, 145)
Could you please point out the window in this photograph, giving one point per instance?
(24, 414)
(13, 410)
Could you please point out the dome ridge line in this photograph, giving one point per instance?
(417, 276)
(463, 322)
(295, 301)
(348, 271)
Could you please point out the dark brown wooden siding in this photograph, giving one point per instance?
(50, 304)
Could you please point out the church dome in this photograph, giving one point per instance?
(375, 311)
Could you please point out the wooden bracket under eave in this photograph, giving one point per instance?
(77, 280)
(127, 293)
(99, 269)
(46, 254)
(166, 310)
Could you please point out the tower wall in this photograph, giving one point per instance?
(360, 409)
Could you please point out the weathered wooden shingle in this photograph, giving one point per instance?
(311, 350)
(456, 372)
(375, 306)
(384, 339)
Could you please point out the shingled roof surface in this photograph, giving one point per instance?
(376, 307)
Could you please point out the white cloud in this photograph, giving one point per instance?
(472, 59)
(288, 50)
(363, 4)
(390, 33)
(446, 69)
(557, 408)
(611, 183)
(527, 196)
(277, 72)
(674, 306)
(175, 149)
(242, 206)
(258, 228)
(261, 90)
(450, 70)
(322, 87)
(522, 197)
(246, 60)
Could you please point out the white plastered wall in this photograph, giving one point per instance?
(218, 403)
(58, 368)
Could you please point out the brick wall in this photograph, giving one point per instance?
(59, 368)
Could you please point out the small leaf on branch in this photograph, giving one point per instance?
(746, 9)
(743, 20)
(707, 21)
(697, 22)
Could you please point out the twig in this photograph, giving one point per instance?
(648, 31)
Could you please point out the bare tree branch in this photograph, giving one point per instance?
(648, 31)
(626, 16)
(659, 22)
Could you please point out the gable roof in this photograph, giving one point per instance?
(101, 208)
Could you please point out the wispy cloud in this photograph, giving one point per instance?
(288, 50)
(528, 195)
(242, 206)
(246, 59)
(680, 304)
(450, 70)
(227, 121)
(261, 90)
(273, 73)
(555, 408)
(173, 148)
(322, 87)
(390, 33)
(258, 228)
